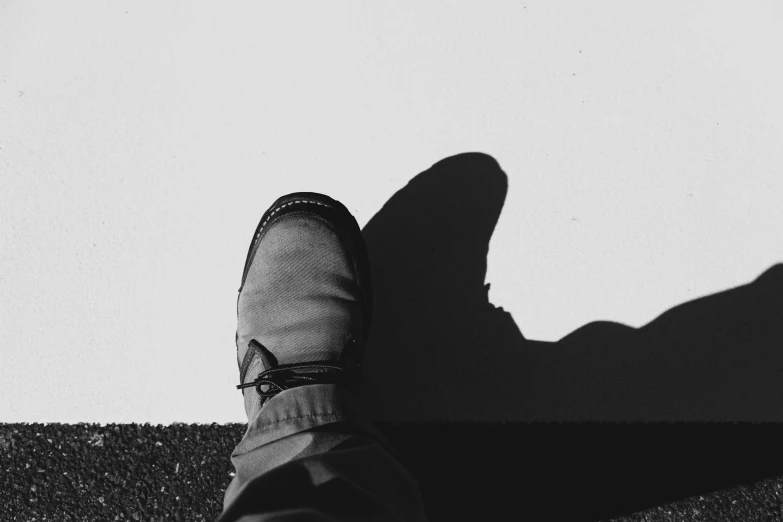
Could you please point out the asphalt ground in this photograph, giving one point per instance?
(590, 472)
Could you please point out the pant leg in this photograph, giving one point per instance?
(310, 454)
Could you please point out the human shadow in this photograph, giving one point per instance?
(439, 351)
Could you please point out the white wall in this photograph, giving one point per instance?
(141, 141)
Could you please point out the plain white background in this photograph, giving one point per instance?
(140, 142)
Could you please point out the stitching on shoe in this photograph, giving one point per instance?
(283, 206)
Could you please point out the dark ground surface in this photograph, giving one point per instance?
(632, 472)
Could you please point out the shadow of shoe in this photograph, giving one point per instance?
(440, 351)
(435, 336)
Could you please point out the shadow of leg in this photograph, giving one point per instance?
(439, 350)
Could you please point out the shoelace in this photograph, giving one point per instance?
(281, 377)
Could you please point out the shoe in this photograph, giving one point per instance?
(305, 302)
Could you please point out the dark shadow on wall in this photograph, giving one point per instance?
(440, 351)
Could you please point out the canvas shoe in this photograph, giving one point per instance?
(305, 302)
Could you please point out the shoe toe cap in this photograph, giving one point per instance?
(301, 297)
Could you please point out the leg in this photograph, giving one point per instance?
(337, 470)
(304, 311)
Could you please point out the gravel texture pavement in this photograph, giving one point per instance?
(85, 472)
(114, 472)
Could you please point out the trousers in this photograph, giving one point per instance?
(311, 454)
